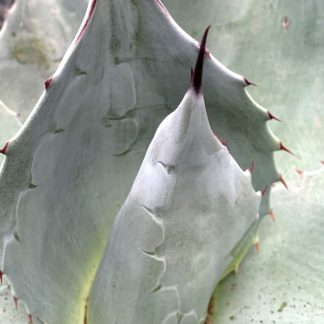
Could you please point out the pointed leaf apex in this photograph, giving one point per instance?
(198, 72)
(1, 276)
(257, 246)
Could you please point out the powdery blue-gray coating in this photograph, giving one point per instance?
(64, 179)
(172, 240)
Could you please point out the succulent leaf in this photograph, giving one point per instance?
(71, 166)
(174, 237)
(280, 46)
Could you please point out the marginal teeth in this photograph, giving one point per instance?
(284, 148)
(272, 215)
(257, 246)
(282, 180)
(264, 190)
(15, 299)
(4, 150)
(271, 116)
(247, 82)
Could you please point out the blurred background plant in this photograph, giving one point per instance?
(5, 5)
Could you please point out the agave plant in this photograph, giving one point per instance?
(71, 166)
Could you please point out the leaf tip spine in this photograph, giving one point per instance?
(198, 71)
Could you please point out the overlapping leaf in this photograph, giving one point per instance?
(280, 45)
(177, 232)
(69, 169)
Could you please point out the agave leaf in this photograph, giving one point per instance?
(279, 61)
(280, 45)
(174, 237)
(284, 282)
(275, 42)
(71, 166)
